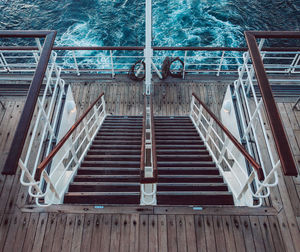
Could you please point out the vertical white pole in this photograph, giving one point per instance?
(148, 52)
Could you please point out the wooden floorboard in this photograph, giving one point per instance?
(85, 228)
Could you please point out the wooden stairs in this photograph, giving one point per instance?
(110, 172)
(186, 173)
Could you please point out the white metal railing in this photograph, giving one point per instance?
(244, 185)
(64, 163)
(119, 61)
(253, 121)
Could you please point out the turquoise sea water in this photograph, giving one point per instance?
(175, 22)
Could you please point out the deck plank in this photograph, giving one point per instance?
(247, 231)
(238, 233)
(209, 233)
(125, 233)
(50, 231)
(134, 233)
(115, 233)
(162, 233)
(200, 233)
(144, 233)
(190, 233)
(181, 233)
(172, 238)
(219, 233)
(153, 233)
(40, 232)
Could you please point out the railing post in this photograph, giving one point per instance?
(86, 129)
(184, 64)
(223, 150)
(4, 62)
(75, 61)
(221, 62)
(112, 64)
(211, 120)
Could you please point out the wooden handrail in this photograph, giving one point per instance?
(155, 48)
(237, 144)
(288, 165)
(16, 148)
(57, 147)
(153, 179)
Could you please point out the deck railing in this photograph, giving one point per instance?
(118, 60)
(148, 161)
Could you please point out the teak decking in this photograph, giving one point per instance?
(90, 228)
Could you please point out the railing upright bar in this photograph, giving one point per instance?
(250, 159)
(75, 62)
(48, 159)
(143, 147)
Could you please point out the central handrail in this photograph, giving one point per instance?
(143, 179)
(48, 159)
(240, 147)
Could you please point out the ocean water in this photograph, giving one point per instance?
(175, 22)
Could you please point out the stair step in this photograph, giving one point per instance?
(104, 187)
(115, 127)
(108, 171)
(114, 138)
(182, 152)
(178, 137)
(185, 164)
(174, 127)
(100, 146)
(194, 198)
(179, 142)
(117, 142)
(181, 124)
(188, 171)
(129, 164)
(102, 198)
(107, 178)
(123, 117)
(112, 157)
(161, 187)
(176, 134)
(119, 134)
(190, 179)
(119, 130)
(184, 158)
(180, 147)
(114, 152)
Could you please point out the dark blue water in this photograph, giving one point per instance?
(175, 22)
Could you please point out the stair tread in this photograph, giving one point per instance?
(225, 193)
(101, 193)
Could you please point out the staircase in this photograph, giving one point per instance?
(110, 172)
(186, 173)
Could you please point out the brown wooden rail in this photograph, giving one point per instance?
(143, 179)
(279, 135)
(155, 48)
(11, 163)
(57, 147)
(237, 144)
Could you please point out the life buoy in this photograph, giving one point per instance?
(177, 73)
(135, 73)
(166, 68)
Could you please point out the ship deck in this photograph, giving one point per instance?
(24, 227)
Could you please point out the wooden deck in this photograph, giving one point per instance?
(135, 228)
